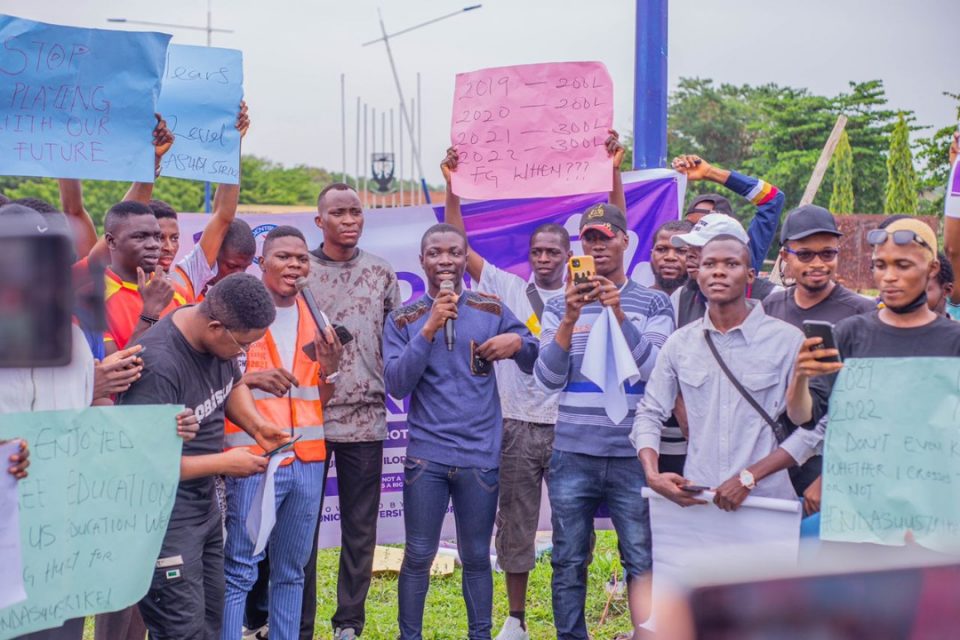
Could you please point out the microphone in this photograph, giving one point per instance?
(311, 303)
(449, 332)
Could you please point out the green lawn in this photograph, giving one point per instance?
(446, 618)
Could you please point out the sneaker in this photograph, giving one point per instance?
(512, 630)
(344, 634)
(257, 634)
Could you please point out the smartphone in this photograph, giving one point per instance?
(820, 329)
(281, 448)
(343, 335)
(581, 268)
(694, 488)
(478, 366)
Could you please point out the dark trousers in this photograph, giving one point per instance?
(359, 467)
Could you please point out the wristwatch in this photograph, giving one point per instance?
(331, 378)
(747, 480)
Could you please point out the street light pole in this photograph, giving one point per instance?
(210, 30)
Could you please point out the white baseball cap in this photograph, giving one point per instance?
(709, 227)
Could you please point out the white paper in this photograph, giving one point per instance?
(608, 363)
(263, 511)
(11, 562)
(704, 544)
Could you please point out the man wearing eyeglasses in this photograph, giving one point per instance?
(810, 250)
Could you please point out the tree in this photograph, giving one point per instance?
(841, 200)
(932, 153)
(901, 191)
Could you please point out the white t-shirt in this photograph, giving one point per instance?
(50, 388)
(198, 270)
(520, 397)
(284, 332)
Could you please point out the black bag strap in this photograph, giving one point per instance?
(535, 301)
(778, 431)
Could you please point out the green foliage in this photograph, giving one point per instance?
(901, 192)
(841, 200)
(933, 157)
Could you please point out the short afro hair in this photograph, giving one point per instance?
(336, 186)
(725, 237)
(673, 226)
(38, 205)
(123, 210)
(283, 231)
(240, 302)
(552, 227)
(442, 227)
(239, 239)
(162, 210)
(946, 275)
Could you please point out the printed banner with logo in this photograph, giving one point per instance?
(499, 230)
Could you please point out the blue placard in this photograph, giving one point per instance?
(78, 103)
(200, 99)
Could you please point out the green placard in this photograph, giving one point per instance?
(93, 511)
(892, 453)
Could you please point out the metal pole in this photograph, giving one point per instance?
(343, 126)
(356, 175)
(393, 152)
(365, 159)
(403, 107)
(416, 151)
(373, 148)
(412, 190)
(423, 24)
(400, 146)
(650, 86)
(207, 199)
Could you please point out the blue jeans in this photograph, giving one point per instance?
(428, 488)
(577, 484)
(298, 488)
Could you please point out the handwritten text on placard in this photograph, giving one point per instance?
(892, 453)
(77, 103)
(532, 130)
(93, 510)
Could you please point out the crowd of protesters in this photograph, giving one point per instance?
(730, 396)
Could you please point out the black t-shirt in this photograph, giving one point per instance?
(839, 305)
(866, 336)
(176, 373)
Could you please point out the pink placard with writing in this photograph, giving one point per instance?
(532, 130)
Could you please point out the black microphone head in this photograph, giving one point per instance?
(447, 285)
(302, 283)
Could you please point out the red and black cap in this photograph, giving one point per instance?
(605, 218)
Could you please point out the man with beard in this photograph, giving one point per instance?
(810, 249)
(455, 423)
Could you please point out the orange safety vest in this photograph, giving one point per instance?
(300, 409)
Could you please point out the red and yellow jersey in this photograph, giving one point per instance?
(124, 306)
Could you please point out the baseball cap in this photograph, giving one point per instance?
(720, 204)
(709, 227)
(806, 221)
(605, 218)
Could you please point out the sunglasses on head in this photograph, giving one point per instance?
(901, 237)
(806, 255)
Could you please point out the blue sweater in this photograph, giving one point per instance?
(582, 423)
(454, 415)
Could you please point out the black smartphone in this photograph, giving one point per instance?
(343, 335)
(694, 488)
(478, 366)
(820, 329)
(283, 447)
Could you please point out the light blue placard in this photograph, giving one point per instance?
(891, 462)
(78, 103)
(200, 100)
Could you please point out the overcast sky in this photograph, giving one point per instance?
(295, 50)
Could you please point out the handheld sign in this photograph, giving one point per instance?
(892, 453)
(78, 103)
(93, 511)
(200, 98)
(535, 130)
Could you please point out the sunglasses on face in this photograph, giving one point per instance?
(806, 255)
(901, 237)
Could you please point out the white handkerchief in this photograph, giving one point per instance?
(11, 558)
(263, 511)
(608, 364)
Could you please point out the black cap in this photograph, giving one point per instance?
(720, 204)
(605, 218)
(806, 221)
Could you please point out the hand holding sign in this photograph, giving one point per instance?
(532, 130)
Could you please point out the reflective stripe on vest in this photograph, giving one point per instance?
(299, 410)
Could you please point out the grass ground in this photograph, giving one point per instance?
(445, 617)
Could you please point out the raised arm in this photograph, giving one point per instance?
(452, 214)
(71, 203)
(162, 141)
(617, 197)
